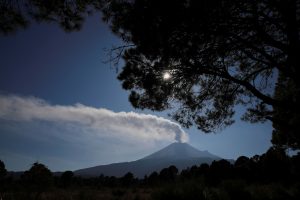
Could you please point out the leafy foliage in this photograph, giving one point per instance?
(273, 175)
(3, 171)
(69, 14)
(218, 53)
(286, 130)
(168, 174)
(67, 178)
(38, 176)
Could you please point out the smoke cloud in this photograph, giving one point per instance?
(124, 125)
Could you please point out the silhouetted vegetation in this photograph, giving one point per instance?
(66, 178)
(217, 53)
(69, 14)
(273, 175)
(2, 170)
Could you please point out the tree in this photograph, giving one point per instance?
(127, 179)
(275, 164)
(153, 178)
(200, 57)
(243, 168)
(38, 176)
(206, 57)
(168, 174)
(66, 178)
(3, 173)
(285, 133)
(3, 170)
(69, 14)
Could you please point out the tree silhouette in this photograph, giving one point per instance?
(38, 176)
(295, 169)
(217, 53)
(3, 170)
(218, 171)
(67, 178)
(128, 179)
(275, 164)
(243, 168)
(69, 14)
(153, 178)
(3, 173)
(168, 174)
(285, 133)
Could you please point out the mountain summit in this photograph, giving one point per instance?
(182, 155)
(180, 151)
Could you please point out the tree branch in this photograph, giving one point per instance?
(266, 99)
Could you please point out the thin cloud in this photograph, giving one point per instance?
(123, 125)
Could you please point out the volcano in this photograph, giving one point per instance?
(182, 155)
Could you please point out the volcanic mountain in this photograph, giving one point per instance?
(182, 155)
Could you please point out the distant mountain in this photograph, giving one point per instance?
(182, 155)
(180, 151)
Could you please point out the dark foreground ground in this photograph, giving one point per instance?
(227, 189)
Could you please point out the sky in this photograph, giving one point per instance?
(61, 105)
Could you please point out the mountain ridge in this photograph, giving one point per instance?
(182, 155)
(180, 150)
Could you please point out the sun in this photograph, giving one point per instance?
(166, 76)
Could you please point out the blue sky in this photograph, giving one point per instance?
(51, 82)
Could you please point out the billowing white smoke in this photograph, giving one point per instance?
(102, 121)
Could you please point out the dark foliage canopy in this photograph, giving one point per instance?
(3, 170)
(38, 175)
(69, 14)
(273, 175)
(66, 178)
(169, 173)
(218, 54)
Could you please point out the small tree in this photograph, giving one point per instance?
(275, 164)
(3, 171)
(127, 179)
(153, 178)
(38, 176)
(66, 178)
(168, 174)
